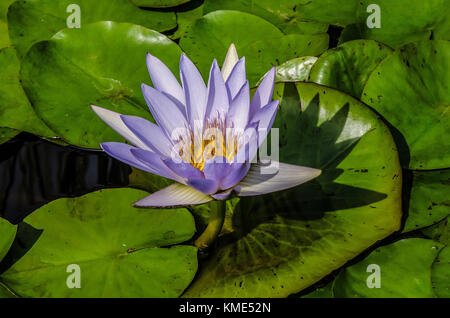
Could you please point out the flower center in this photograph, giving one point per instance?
(197, 146)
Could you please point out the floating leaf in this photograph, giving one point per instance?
(7, 234)
(429, 202)
(322, 292)
(327, 11)
(281, 243)
(404, 271)
(192, 12)
(260, 42)
(403, 21)
(294, 70)
(116, 246)
(259, 60)
(349, 33)
(5, 292)
(158, 3)
(209, 37)
(4, 36)
(348, 66)
(6, 134)
(439, 232)
(410, 89)
(61, 91)
(32, 21)
(15, 109)
(440, 273)
(282, 14)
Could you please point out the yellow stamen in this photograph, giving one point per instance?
(215, 140)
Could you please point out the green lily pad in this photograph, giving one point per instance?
(429, 202)
(4, 4)
(32, 21)
(15, 109)
(349, 33)
(404, 21)
(282, 14)
(327, 11)
(294, 70)
(209, 37)
(440, 273)
(158, 3)
(348, 66)
(6, 134)
(4, 36)
(7, 234)
(186, 16)
(63, 76)
(259, 60)
(281, 243)
(322, 292)
(121, 251)
(5, 292)
(260, 42)
(439, 232)
(410, 89)
(404, 268)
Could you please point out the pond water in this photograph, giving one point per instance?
(34, 172)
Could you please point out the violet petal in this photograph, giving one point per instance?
(114, 120)
(194, 90)
(264, 93)
(149, 133)
(236, 79)
(217, 102)
(163, 79)
(239, 108)
(183, 169)
(205, 186)
(165, 112)
(156, 163)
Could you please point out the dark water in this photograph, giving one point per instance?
(34, 172)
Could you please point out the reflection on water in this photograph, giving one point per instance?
(34, 172)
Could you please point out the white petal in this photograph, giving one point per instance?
(114, 120)
(173, 196)
(258, 181)
(230, 60)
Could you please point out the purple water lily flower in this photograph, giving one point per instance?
(206, 137)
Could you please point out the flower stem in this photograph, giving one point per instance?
(216, 219)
